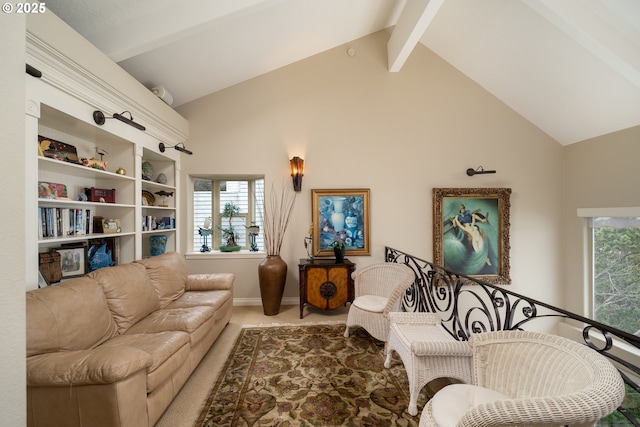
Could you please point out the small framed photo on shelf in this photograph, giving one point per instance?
(111, 226)
(51, 190)
(42, 282)
(73, 260)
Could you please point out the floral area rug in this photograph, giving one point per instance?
(309, 376)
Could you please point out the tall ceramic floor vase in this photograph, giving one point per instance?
(272, 274)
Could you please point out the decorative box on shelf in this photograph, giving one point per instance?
(101, 195)
(50, 266)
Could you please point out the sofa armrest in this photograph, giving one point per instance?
(209, 282)
(94, 366)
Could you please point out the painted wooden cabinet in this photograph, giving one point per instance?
(325, 284)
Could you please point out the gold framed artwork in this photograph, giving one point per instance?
(471, 232)
(340, 215)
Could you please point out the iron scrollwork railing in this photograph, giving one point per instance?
(467, 309)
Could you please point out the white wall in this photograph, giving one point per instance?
(12, 249)
(598, 173)
(400, 134)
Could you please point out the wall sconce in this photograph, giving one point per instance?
(478, 171)
(99, 118)
(179, 146)
(297, 172)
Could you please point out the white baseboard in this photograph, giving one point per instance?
(258, 301)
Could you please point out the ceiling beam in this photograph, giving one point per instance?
(590, 27)
(412, 23)
(166, 25)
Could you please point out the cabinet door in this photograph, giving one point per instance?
(327, 287)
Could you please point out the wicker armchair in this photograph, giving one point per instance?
(528, 379)
(378, 290)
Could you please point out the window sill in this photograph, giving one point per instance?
(245, 254)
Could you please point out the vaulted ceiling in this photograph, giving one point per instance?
(571, 67)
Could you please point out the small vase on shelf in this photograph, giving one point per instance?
(158, 244)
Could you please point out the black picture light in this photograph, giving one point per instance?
(179, 146)
(99, 118)
(478, 171)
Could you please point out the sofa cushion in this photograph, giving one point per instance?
(209, 281)
(451, 403)
(80, 367)
(215, 299)
(372, 303)
(168, 274)
(177, 319)
(168, 351)
(129, 293)
(71, 316)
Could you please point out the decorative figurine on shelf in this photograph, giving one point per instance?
(101, 152)
(95, 163)
(161, 179)
(147, 171)
(99, 256)
(164, 194)
(229, 234)
(253, 232)
(308, 243)
(205, 232)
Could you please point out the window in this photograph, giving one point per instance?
(209, 198)
(615, 275)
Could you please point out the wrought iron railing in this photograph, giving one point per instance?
(484, 307)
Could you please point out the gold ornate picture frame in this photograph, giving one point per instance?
(342, 214)
(471, 232)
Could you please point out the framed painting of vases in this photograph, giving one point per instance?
(471, 232)
(340, 215)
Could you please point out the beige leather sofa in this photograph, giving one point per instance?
(113, 348)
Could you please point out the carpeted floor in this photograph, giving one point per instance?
(308, 375)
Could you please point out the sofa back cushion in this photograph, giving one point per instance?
(168, 274)
(130, 295)
(71, 316)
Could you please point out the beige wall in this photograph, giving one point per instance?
(598, 173)
(12, 249)
(399, 134)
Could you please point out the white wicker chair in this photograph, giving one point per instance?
(529, 379)
(378, 290)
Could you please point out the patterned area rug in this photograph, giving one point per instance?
(309, 376)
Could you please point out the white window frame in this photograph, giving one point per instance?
(216, 217)
(569, 329)
(589, 214)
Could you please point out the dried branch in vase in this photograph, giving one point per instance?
(277, 213)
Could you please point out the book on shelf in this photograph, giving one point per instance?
(63, 222)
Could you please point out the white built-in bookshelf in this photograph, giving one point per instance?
(68, 201)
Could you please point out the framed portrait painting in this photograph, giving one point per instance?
(73, 261)
(340, 215)
(471, 232)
